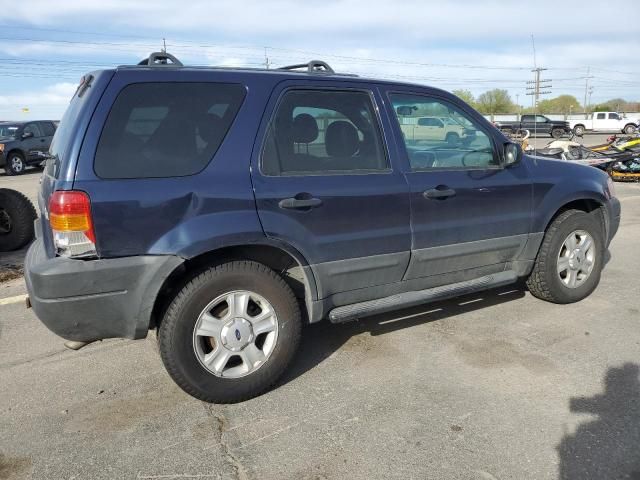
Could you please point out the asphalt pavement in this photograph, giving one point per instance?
(497, 385)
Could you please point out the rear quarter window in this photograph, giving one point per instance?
(166, 129)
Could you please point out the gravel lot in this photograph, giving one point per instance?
(492, 386)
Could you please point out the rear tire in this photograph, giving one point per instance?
(557, 133)
(181, 342)
(17, 215)
(452, 139)
(546, 280)
(579, 130)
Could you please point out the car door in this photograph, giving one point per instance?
(470, 216)
(430, 129)
(325, 184)
(32, 145)
(48, 130)
(600, 121)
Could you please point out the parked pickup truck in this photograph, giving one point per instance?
(605, 122)
(536, 124)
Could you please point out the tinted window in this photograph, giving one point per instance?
(600, 116)
(540, 119)
(323, 132)
(165, 129)
(32, 128)
(454, 141)
(47, 129)
(614, 116)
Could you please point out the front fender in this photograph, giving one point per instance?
(558, 183)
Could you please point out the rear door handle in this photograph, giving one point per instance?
(299, 204)
(439, 192)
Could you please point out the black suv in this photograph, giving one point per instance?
(24, 143)
(226, 207)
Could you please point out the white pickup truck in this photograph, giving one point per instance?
(605, 122)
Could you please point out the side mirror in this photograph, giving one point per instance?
(512, 154)
(26, 135)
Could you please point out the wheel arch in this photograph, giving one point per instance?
(283, 259)
(587, 205)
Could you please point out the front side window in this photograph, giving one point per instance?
(33, 129)
(439, 135)
(614, 116)
(540, 119)
(165, 129)
(316, 132)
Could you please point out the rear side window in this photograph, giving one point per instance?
(166, 129)
(47, 129)
(318, 132)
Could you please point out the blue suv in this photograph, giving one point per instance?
(224, 208)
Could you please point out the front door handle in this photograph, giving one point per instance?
(299, 203)
(439, 193)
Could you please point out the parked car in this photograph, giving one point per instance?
(24, 143)
(536, 124)
(434, 129)
(605, 122)
(224, 208)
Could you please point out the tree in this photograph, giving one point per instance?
(495, 101)
(564, 104)
(466, 96)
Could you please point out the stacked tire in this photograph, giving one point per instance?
(17, 215)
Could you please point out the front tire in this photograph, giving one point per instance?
(568, 266)
(629, 129)
(15, 164)
(230, 332)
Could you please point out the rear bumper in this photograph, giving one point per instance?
(86, 300)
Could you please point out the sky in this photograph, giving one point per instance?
(46, 46)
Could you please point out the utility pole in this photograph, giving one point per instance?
(586, 89)
(536, 87)
(266, 59)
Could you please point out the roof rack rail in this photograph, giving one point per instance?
(160, 59)
(314, 66)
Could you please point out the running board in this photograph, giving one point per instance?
(410, 299)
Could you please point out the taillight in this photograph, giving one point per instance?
(71, 224)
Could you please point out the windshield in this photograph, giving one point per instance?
(8, 130)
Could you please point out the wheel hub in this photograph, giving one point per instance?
(236, 334)
(576, 259)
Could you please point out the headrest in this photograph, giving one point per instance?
(210, 127)
(341, 139)
(305, 128)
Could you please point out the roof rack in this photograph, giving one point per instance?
(160, 59)
(314, 66)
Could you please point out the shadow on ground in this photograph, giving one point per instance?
(322, 339)
(607, 447)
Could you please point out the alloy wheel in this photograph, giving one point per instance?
(235, 334)
(576, 259)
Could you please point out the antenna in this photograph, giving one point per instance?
(164, 45)
(533, 44)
